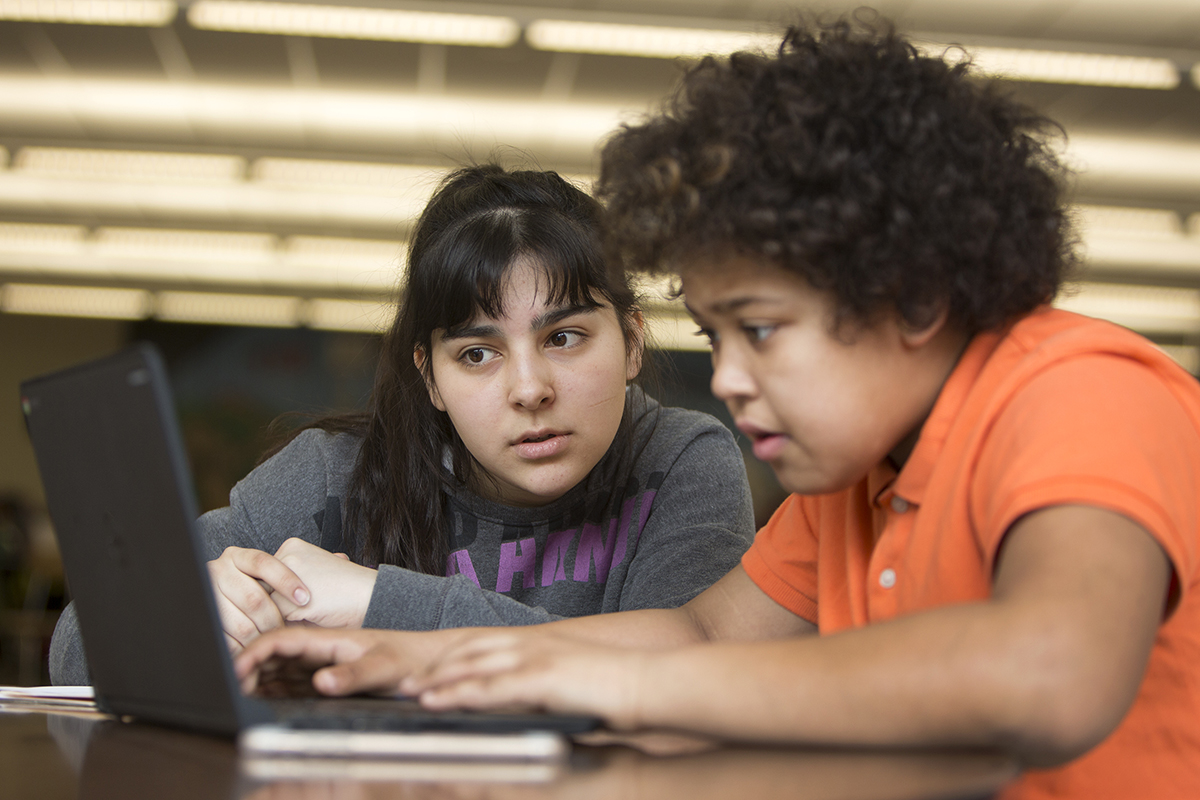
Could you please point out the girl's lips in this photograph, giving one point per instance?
(542, 449)
(768, 446)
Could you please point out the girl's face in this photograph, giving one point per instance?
(537, 394)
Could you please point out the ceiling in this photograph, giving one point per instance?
(322, 149)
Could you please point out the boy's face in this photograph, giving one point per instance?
(821, 408)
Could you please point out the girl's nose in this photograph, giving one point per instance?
(532, 384)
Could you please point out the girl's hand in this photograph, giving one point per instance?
(341, 590)
(245, 582)
(524, 668)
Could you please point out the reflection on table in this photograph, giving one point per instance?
(58, 757)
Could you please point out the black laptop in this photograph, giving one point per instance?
(120, 495)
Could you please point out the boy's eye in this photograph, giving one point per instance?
(564, 338)
(757, 333)
(477, 355)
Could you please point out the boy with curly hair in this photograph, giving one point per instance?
(994, 528)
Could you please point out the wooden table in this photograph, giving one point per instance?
(61, 757)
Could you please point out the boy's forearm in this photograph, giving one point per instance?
(647, 629)
(1046, 667)
(934, 679)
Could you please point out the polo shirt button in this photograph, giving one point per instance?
(887, 578)
(899, 504)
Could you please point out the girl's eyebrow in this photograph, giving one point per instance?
(543, 320)
(555, 315)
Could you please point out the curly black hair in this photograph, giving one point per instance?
(892, 179)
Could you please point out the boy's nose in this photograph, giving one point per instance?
(531, 385)
(730, 380)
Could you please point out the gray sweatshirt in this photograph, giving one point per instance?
(679, 519)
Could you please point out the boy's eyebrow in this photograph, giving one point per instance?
(545, 319)
(730, 304)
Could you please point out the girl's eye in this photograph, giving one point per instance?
(708, 334)
(565, 338)
(477, 355)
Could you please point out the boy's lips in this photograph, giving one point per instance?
(766, 444)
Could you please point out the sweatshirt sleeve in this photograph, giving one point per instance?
(413, 601)
(700, 524)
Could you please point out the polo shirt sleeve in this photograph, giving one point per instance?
(783, 559)
(1099, 430)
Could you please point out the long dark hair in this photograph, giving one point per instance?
(477, 224)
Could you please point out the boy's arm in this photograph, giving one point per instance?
(733, 608)
(1047, 667)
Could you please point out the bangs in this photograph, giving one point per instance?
(476, 256)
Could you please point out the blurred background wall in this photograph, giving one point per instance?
(235, 180)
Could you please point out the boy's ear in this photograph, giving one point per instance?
(916, 338)
(434, 397)
(633, 355)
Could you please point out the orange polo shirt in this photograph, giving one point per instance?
(1058, 409)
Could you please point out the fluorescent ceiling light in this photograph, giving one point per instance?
(320, 251)
(40, 238)
(360, 266)
(1055, 66)
(184, 244)
(1108, 254)
(288, 116)
(228, 309)
(75, 301)
(234, 204)
(642, 40)
(344, 176)
(1147, 309)
(91, 12)
(1135, 164)
(1141, 222)
(349, 315)
(347, 22)
(129, 165)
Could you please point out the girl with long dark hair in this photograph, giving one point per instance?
(505, 472)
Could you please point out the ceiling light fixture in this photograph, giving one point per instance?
(348, 22)
(270, 311)
(1114, 163)
(363, 316)
(283, 116)
(1056, 66)
(75, 301)
(129, 165)
(149, 13)
(1146, 309)
(654, 41)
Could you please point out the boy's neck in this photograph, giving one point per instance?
(898, 456)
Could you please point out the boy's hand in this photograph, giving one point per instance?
(342, 661)
(243, 581)
(341, 590)
(524, 668)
